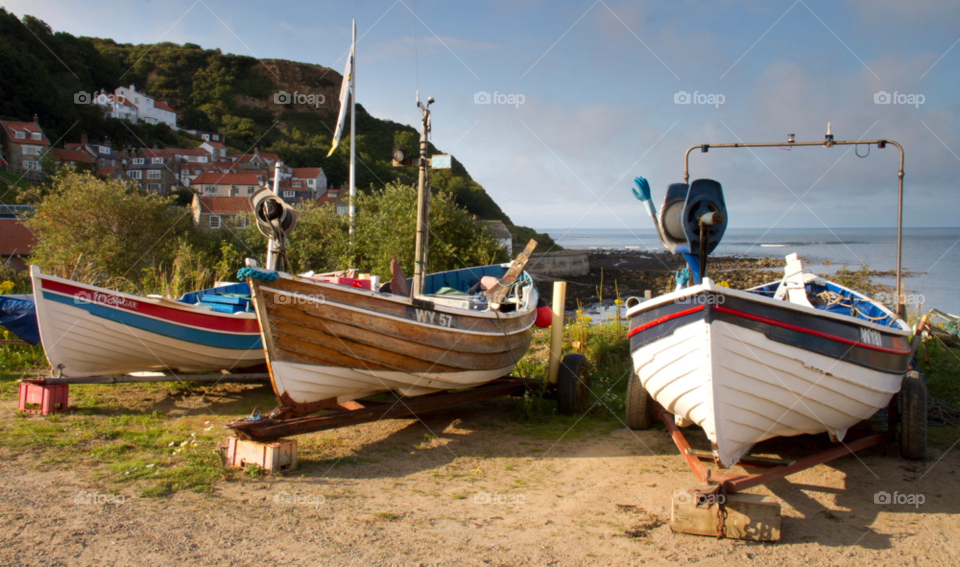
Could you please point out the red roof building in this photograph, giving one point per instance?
(16, 242)
(211, 213)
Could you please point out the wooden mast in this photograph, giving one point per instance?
(423, 202)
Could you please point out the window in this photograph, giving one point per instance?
(158, 160)
(289, 194)
(153, 174)
(311, 182)
(153, 187)
(31, 165)
(104, 150)
(296, 184)
(36, 136)
(249, 190)
(138, 161)
(242, 222)
(135, 174)
(210, 189)
(341, 209)
(216, 137)
(234, 191)
(205, 137)
(20, 135)
(214, 221)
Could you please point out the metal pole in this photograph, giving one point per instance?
(353, 124)
(900, 308)
(271, 242)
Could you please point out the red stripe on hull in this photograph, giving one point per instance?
(210, 321)
(664, 319)
(721, 309)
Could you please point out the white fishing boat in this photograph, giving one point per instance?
(800, 355)
(92, 331)
(747, 366)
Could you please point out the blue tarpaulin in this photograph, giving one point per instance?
(18, 314)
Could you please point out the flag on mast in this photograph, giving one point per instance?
(344, 98)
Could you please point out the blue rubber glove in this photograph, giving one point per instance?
(642, 192)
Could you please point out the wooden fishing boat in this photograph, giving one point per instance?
(327, 343)
(751, 365)
(91, 331)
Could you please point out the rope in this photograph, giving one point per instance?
(257, 274)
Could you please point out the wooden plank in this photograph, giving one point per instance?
(747, 516)
(499, 292)
(198, 378)
(273, 429)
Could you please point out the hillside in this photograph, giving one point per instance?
(211, 90)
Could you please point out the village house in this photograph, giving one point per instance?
(101, 154)
(212, 212)
(309, 178)
(228, 184)
(71, 158)
(154, 170)
(338, 198)
(149, 110)
(207, 136)
(191, 170)
(24, 143)
(116, 173)
(16, 240)
(216, 150)
(196, 155)
(116, 106)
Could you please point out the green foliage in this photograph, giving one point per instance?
(101, 231)
(941, 364)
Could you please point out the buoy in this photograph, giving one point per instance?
(544, 315)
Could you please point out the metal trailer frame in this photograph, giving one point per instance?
(862, 436)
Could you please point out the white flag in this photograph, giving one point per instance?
(344, 99)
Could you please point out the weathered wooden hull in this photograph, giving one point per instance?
(331, 342)
(92, 331)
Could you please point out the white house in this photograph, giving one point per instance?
(216, 150)
(148, 110)
(309, 178)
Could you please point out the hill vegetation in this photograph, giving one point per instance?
(43, 70)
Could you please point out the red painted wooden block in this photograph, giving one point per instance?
(43, 399)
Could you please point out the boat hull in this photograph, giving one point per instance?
(330, 342)
(91, 331)
(747, 369)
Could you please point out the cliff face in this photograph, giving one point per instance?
(309, 85)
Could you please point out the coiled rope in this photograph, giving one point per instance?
(257, 274)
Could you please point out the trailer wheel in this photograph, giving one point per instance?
(639, 404)
(573, 385)
(913, 419)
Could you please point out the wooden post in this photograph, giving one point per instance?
(556, 330)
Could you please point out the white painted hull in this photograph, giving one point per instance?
(87, 338)
(306, 383)
(742, 388)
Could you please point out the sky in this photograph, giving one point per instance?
(586, 95)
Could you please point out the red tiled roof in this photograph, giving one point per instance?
(307, 172)
(211, 178)
(29, 128)
(328, 197)
(163, 106)
(15, 238)
(225, 205)
(191, 152)
(266, 155)
(105, 171)
(70, 155)
(215, 145)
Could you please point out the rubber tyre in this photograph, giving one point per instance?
(639, 405)
(573, 385)
(913, 419)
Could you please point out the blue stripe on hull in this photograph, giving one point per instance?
(162, 328)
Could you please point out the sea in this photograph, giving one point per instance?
(932, 255)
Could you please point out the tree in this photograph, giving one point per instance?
(102, 232)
